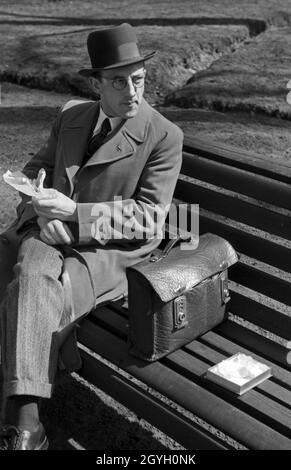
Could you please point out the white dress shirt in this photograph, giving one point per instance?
(114, 121)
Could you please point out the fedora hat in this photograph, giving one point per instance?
(113, 47)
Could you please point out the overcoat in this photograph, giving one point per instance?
(122, 193)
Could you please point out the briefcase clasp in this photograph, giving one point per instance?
(225, 295)
(179, 313)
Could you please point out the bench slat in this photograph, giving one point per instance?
(197, 366)
(261, 315)
(270, 388)
(108, 318)
(235, 337)
(260, 281)
(258, 405)
(231, 206)
(147, 406)
(254, 245)
(237, 180)
(196, 399)
(239, 158)
(255, 342)
(247, 243)
(226, 345)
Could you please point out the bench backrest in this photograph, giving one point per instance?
(247, 200)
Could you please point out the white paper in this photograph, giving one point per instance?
(21, 183)
(240, 368)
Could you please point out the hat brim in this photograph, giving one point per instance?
(135, 60)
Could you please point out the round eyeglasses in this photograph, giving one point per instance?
(120, 83)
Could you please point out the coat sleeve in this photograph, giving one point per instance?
(142, 216)
(45, 158)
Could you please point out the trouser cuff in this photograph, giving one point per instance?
(25, 387)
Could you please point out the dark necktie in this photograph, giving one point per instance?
(97, 140)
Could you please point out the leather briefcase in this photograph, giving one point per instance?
(177, 295)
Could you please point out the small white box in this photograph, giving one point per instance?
(239, 373)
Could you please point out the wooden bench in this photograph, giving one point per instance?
(247, 200)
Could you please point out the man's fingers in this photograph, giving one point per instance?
(69, 233)
(46, 237)
(40, 179)
(42, 221)
(42, 213)
(55, 232)
(51, 234)
(43, 203)
(20, 179)
(64, 233)
(46, 194)
(44, 200)
(54, 205)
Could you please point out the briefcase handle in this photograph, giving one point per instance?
(171, 243)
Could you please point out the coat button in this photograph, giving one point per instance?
(63, 179)
(118, 148)
(4, 240)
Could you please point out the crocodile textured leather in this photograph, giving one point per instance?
(179, 297)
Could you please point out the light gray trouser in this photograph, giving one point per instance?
(30, 315)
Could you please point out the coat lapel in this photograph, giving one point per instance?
(75, 139)
(122, 142)
(115, 147)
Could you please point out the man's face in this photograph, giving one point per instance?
(121, 90)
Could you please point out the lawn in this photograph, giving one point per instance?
(209, 56)
(43, 42)
(257, 133)
(49, 57)
(213, 45)
(278, 11)
(252, 78)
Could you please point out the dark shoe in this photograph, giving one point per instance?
(12, 438)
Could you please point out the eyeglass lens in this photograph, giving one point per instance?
(121, 83)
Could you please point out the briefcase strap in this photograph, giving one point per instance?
(157, 256)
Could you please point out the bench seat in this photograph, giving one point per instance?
(247, 200)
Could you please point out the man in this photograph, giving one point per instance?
(111, 169)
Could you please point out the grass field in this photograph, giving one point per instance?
(219, 47)
(44, 46)
(252, 78)
(51, 59)
(273, 12)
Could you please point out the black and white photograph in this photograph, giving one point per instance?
(145, 229)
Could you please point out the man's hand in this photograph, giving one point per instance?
(54, 232)
(52, 204)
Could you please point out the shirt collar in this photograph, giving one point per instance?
(114, 121)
